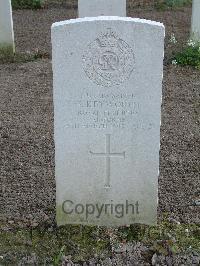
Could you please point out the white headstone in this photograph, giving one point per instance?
(93, 8)
(6, 25)
(107, 102)
(195, 31)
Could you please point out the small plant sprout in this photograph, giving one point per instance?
(191, 43)
(174, 62)
(173, 39)
(189, 56)
(187, 231)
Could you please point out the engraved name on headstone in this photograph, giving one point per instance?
(107, 107)
(94, 8)
(6, 26)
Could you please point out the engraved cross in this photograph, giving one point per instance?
(108, 156)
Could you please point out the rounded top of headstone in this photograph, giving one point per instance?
(108, 18)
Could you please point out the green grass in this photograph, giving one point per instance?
(177, 3)
(29, 4)
(7, 56)
(6, 51)
(166, 4)
(85, 242)
(80, 242)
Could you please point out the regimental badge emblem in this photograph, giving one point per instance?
(108, 60)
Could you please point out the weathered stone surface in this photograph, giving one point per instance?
(6, 25)
(94, 8)
(107, 97)
(195, 31)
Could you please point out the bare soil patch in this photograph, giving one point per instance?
(33, 27)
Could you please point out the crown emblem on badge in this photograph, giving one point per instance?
(108, 39)
(108, 59)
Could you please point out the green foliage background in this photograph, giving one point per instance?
(190, 55)
(168, 4)
(22, 4)
(176, 3)
(159, 4)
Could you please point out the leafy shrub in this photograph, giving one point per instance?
(22, 4)
(190, 55)
(176, 3)
(171, 4)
